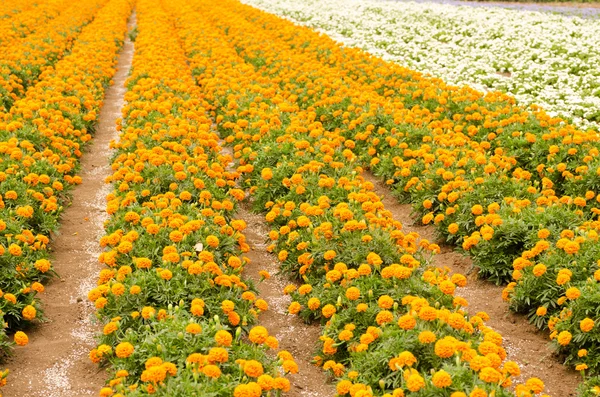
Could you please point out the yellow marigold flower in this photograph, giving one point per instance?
(441, 379)
(148, 312)
(445, 348)
(586, 325)
(258, 335)
(512, 368)
(407, 322)
(110, 328)
(581, 367)
(415, 382)
(294, 308)
(29, 312)
(385, 302)
(328, 310)
(384, 317)
(539, 270)
(253, 368)
(212, 371)
(490, 375)
(352, 293)
(193, 328)
(564, 338)
(572, 293)
(290, 366)
(223, 338)
(329, 255)
(535, 385)
(447, 287)
(21, 338)
(314, 304)
(428, 313)
(343, 387)
(453, 228)
(124, 350)
(426, 337)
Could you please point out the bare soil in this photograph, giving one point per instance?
(55, 363)
(524, 343)
(293, 334)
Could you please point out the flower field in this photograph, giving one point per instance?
(226, 104)
(539, 58)
(43, 135)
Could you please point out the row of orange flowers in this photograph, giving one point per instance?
(36, 39)
(177, 313)
(43, 137)
(10, 9)
(24, 18)
(392, 323)
(514, 187)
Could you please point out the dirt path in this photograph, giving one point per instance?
(293, 334)
(524, 343)
(56, 363)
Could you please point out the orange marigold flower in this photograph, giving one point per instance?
(441, 379)
(415, 382)
(586, 325)
(564, 338)
(29, 312)
(223, 338)
(445, 348)
(212, 371)
(407, 322)
(124, 350)
(253, 368)
(21, 338)
(258, 335)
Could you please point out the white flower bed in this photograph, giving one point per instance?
(549, 60)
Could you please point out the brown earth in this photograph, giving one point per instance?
(55, 363)
(524, 343)
(293, 334)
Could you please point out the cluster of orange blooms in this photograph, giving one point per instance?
(176, 309)
(35, 39)
(363, 277)
(489, 174)
(44, 135)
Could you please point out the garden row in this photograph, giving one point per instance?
(508, 184)
(540, 58)
(25, 56)
(41, 141)
(177, 314)
(24, 21)
(515, 188)
(392, 324)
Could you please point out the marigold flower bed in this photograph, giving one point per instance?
(514, 188)
(176, 311)
(25, 57)
(389, 318)
(42, 139)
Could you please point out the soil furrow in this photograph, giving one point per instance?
(525, 344)
(55, 363)
(293, 334)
